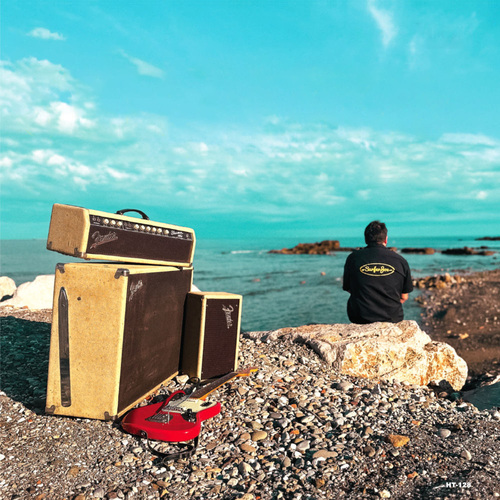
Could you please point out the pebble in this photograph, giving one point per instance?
(259, 435)
(245, 469)
(247, 448)
(397, 441)
(444, 433)
(345, 386)
(369, 450)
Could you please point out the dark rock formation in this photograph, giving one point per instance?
(325, 247)
(467, 251)
(421, 251)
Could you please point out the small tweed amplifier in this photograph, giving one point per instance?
(93, 235)
(211, 334)
(116, 336)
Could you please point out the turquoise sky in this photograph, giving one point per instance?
(253, 118)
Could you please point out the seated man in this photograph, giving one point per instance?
(378, 279)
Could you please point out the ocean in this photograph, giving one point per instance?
(278, 290)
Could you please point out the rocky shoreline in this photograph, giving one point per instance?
(464, 311)
(293, 430)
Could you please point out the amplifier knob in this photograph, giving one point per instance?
(142, 228)
(119, 223)
(166, 231)
(113, 223)
(148, 229)
(106, 221)
(136, 226)
(153, 229)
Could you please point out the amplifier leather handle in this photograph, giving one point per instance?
(121, 212)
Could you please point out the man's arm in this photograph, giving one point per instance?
(404, 298)
(346, 283)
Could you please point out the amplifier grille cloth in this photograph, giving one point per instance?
(221, 330)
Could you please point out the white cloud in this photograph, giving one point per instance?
(385, 23)
(6, 162)
(45, 34)
(470, 139)
(56, 159)
(289, 171)
(143, 67)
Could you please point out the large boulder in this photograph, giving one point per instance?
(7, 287)
(37, 294)
(384, 351)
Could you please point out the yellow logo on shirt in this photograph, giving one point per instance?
(377, 269)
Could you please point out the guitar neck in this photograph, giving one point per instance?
(204, 391)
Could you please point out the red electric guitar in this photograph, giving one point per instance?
(178, 418)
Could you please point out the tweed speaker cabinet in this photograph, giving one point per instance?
(211, 334)
(93, 235)
(116, 336)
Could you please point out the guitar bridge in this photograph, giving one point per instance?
(161, 417)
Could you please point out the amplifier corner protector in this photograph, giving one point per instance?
(50, 409)
(77, 253)
(108, 417)
(60, 268)
(49, 245)
(121, 272)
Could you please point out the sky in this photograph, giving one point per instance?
(253, 118)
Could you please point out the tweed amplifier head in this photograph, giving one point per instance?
(211, 334)
(116, 335)
(93, 235)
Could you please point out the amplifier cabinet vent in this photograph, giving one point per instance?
(116, 336)
(93, 235)
(211, 334)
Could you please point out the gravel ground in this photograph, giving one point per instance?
(292, 430)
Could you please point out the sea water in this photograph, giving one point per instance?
(278, 290)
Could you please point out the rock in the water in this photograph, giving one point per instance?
(322, 248)
(387, 351)
(422, 251)
(7, 287)
(37, 294)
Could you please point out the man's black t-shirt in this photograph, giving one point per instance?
(376, 277)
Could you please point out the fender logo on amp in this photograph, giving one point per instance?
(227, 312)
(101, 239)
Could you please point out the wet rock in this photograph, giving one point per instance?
(421, 251)
(322, 248)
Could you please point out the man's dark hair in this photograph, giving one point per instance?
(375, 232)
